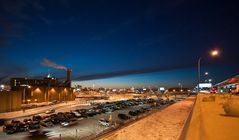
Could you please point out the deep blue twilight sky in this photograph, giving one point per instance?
(119, 43)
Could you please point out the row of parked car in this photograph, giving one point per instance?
(133, 113)
(37, 121)
(69, 118)
(118, 105)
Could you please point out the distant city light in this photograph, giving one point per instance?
(2, 86)
(205, 85)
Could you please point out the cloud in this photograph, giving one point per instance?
(11, 70)
(132, 72)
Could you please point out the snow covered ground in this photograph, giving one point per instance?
(166, 124)
(209, 120)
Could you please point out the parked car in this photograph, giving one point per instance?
(46, 123)
(36, 118)
(26, 121)
(38, 134)
(77, 115)
(172, 101)
(15, 122)
(56, 120)
(2, 121)
(9, 128)
(133, 113)
(21, 127)
(34, 125)
(104, 122)
(123, 116)
(91, 113)
(69, 122)
(50, 111)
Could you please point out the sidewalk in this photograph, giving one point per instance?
(166, 124)
(209, 120)
(33, 111)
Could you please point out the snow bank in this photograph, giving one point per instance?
(164, 125)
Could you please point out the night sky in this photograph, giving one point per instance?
(118, 43)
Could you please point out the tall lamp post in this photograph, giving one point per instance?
(213, 54)
(181, 86)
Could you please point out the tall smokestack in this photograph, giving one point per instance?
(68, 78)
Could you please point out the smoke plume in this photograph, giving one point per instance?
(48, 63)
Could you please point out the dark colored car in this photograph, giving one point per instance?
(46, 123)
(145, 109)
(82, 111)
(36, 118)
(123, 117)
(27, 121)
(55, 120)
(9, 129)
(90, 113)
(37, 134)
(171, 101)
(34, 125)
(15, 122)
(21, 127)
(2, 122)
(133, 113)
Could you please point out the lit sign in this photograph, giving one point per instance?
(205, 85)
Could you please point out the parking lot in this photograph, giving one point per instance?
(88, 126)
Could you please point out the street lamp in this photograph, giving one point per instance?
(213, 53)
(180, 86)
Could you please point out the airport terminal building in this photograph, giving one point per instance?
(230, 85)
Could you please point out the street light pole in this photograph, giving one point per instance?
(24, 95)
(181, 86)
(199, 68)
(213, 54)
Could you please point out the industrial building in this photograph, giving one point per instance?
(25, 91)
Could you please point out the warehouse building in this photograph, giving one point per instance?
(26, 91)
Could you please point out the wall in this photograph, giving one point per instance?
(45, 94)
(10, 101)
